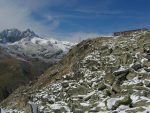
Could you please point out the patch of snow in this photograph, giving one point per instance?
(60, 104)
(112, 101)
(147, 109)
(137, 55)
(37, 40)
(56, 106)
(10, 111)
(131, 65)
(142, 71)
(90, 94)
(121, 68)
(134, 98)
(122, 108)
(85, 104)
(56, 87)
(34, 107)
(135, 80)
(101, 104)
(144, 60)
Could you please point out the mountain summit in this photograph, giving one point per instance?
(13, 35)
(27, 44)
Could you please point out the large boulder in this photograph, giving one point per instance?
(125, 101)
(121, 72)
(101, 86)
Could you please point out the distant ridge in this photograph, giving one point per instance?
(128, 32)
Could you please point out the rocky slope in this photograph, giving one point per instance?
(106, 75)
(24, 56)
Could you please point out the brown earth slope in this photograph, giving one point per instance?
(15, 72)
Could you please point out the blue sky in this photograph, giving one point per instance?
(74, 19)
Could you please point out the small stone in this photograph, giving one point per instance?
(131, 75)
(50, 101)
(126, 101)
(122, 72)
(107, 92)
(116, 88)
(65, 85)
(101, 86)
(147, 83)
(147, 69)
(136, 66)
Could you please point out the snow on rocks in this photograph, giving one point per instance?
(39, 47)
(62, 96)
(112, 101)
(122, 108)
(10, 111)
(105, 83)
(56, 87)
(135, 80)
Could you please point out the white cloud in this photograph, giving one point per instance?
(12, 15)
(15, 14)
(53, 21)
(79, 36)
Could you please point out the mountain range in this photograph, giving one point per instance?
(100, 75)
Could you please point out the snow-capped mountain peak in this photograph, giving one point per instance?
(29, 45)
(13, 35)
(64, 45)
(28, 33)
